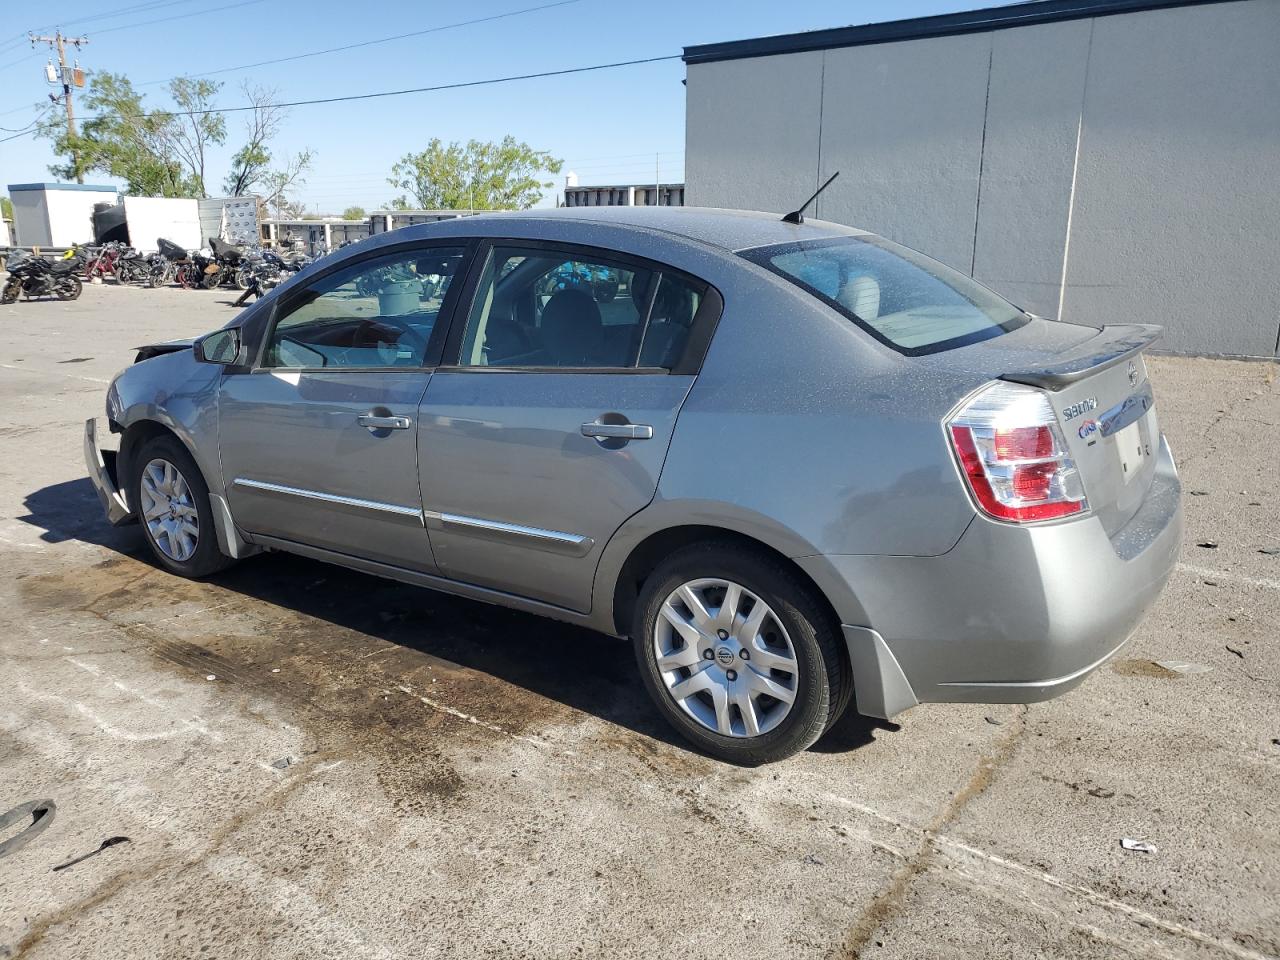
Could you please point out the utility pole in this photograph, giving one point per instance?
(657, 182)
(60, 42)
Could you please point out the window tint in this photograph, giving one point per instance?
(906, 299)
(539, 308)
(377, 313)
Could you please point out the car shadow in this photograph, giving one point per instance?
(72, 511)
(576, 667)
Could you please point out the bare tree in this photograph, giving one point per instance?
(194, 125)
(278, 184)
(252, 162)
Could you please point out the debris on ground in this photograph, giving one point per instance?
(1238, 653)
(109, 842)
(1208, 544)
(283, 763)
(1199, 493)
(812, 860)
(1183, 666)
(1141, 846)
(1270, 551)
(211, 676)
(993, 721)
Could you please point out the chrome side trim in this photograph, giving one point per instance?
(570, 543)
(329, 498)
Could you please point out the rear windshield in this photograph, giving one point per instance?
(904, 299)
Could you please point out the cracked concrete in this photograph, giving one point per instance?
(378, 771)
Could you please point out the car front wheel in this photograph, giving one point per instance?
(172, 503)
(739, 654)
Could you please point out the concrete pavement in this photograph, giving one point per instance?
(379, 771)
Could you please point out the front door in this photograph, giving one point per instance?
(319, 439)
(552, 426)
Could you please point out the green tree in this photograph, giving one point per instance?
(6, 208)
(123, 139)
(477, 175)
(354, 213)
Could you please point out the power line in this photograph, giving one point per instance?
(370, 43)
(137, 8)
(40, 116)
(380, 94)
(400, 93)
(206, 12)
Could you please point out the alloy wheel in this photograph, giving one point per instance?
(169, 511)
(725, 658)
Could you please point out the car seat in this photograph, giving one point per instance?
(572, 330)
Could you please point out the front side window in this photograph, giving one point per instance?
(543, 308)
(376, 313)
(903, 298)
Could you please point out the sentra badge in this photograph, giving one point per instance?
(1079, 409)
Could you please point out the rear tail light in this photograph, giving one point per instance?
(1014, 456)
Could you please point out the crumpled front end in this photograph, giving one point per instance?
(104, 476)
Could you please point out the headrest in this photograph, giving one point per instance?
(572, 330)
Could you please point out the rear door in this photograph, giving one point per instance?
(550, 426)
(319, 439)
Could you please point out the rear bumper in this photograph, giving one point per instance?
(102, 474)
(1010, 614)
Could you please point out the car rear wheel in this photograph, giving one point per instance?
(739, 655)
(172, 503)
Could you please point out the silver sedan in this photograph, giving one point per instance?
(796, 463)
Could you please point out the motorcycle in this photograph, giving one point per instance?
(34, 276)
(262, 266)
(101, 260)
(198, 271)
(160, 270)
(228, 257)
(131, 267)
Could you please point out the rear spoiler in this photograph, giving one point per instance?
(1112, 345)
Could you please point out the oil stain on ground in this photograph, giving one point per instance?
(1143, 668)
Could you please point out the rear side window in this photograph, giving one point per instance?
(537, 307)
(904, 299)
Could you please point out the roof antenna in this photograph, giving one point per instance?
(797, 216)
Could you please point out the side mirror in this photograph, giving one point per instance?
(221, 346)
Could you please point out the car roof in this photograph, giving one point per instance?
(730, 230)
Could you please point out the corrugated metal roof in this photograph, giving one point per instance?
(943, 25)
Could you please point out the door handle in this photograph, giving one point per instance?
(617, 431)
(374, 422)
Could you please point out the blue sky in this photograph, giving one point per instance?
(608, 126)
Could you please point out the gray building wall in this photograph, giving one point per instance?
(1105, 169)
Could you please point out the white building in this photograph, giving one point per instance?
(1095, 160)
(55, 214)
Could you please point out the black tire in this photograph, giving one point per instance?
(11, 291)
(824, 681)
(67, 288)
(206, 559)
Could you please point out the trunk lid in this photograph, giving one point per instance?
(1096, 381)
